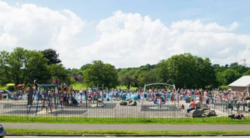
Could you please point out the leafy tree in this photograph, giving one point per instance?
(22, 66)
(146, 77)
(86, 66)
(5, 74)
(127, 80)
(188, 71)
(36, 68)
(233, 64)
(228, 76)
(207, 75)
(101, 74)
(247, 72)
(240, 68)
(59, 72)
(52, 56)
(162, 71)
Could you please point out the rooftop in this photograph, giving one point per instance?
(241, 82)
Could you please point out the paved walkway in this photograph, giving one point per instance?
(125, 127)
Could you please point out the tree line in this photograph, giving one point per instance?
(184, 70)
(22, 66)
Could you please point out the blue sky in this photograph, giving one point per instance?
(124, 32)
(223, 12)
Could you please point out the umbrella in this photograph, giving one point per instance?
(20, 85)
(10, 84)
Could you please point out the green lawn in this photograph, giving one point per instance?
(83, 87)
(120, 132)
(79, 86)
(82, 120)
(3, 87)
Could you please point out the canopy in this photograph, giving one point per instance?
(20, 85)
(241, 82)
(10, 85)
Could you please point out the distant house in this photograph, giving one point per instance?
(241, 84)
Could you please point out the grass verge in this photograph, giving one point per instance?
(119, 132)
(82, 120)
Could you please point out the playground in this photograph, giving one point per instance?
(54, 101)
(112, 109)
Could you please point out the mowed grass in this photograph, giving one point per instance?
(3, 87)
(83, 87)
(82, 120)
(120, 132)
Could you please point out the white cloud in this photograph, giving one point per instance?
(35, 27)
(127, 39)
(124, 39)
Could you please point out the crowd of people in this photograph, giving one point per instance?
(158, 96)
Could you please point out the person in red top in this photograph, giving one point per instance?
(191, 106)
(56, 81)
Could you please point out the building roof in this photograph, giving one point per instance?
(241, 82)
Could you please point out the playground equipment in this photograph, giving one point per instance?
(96, 94)
(47, 97)
(161, 100)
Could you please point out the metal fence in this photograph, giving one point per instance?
(113, 111)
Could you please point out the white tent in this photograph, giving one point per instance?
(241, 82)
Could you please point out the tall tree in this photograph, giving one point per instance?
(21, 66)
(101, 74)
(52, 56)
(228, 76)
(127, 80)
(86, 66)
(59, 72)
(162, 71)
(5, 72)
(146, 77)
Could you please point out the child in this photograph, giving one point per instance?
(182, 107)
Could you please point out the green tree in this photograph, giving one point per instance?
(59, 72)
(239, 68)
(52, 56)
(22, 66)
(188, 71)
(36, 68)
(146, 77)
(247, 72)
(127, 80)
(162, 71)
(5, 72)
(228, 76)
(101, 74)
(86, 66)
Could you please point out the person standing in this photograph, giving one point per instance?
(36, 84)
(56, 81)
(198, 103)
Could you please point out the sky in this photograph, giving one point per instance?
(128, 33)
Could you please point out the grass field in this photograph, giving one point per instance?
(82, 120)
(83, 87)
(80, 86)
(120, 132)
(3, 87)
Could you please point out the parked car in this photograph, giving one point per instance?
(2, 131)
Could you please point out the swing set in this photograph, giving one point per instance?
(46, 97)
